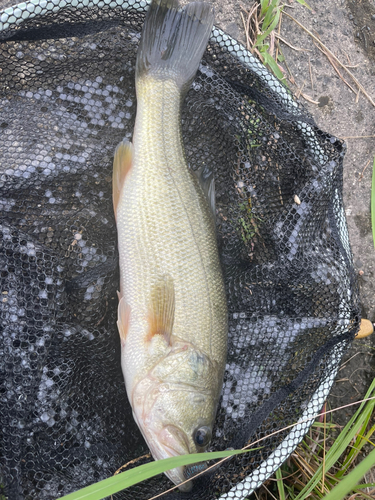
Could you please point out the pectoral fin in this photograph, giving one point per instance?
(206, 179)
(161, 309)
(122, 164)
(123, 319)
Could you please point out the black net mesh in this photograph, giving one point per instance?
(66, 100)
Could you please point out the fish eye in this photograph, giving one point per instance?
(202, 436)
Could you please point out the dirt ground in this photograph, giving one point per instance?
(347, 28)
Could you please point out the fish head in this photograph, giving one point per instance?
(175, 407)
(179, 423)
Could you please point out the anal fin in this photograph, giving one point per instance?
(123, 320)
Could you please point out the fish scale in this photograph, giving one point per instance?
(164, 210)
(172, 312)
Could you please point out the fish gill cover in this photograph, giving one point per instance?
(67, 98)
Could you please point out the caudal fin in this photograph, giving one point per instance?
(173, 40)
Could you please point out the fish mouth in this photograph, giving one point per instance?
(171, 442)
(174, 441)
(168, 442)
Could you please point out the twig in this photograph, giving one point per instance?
(324, 446)
(268, 491)
(311, 78)
(299, 91)
(361, 88)
(335, 68)
(246, 32)
(278, 33)
(309, 99)
(272, 44)
(131, 462)
(249, 41)
(290, 45)
(291, 77)
(363, 171)
(358, 137)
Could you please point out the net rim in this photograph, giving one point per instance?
(265, 470)
(17, 14)
(26, 10)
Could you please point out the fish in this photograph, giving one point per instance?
(172, 311)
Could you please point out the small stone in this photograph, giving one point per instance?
(323, 101)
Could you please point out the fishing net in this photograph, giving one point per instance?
(67, 99)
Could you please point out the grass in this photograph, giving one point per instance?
(330, 461)
(327, 465)
(138, 474)
(260, 23)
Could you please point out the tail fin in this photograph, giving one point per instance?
(173, 40)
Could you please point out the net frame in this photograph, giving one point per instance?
(19, 13)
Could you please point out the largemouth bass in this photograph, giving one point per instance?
(172, 313)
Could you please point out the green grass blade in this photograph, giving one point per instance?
(264, 6)
(369, 436)
(128, 478)
(302, 2)
(347, 484)
(280, 484)
(273, 65)
(361, 486)
(360, 441)
(265, 34)
(271, 12)
(373, 202)
(341, 443)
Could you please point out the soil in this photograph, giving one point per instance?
(362, 15)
